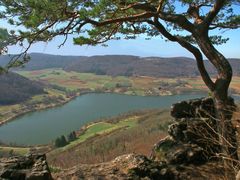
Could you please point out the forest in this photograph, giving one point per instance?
(15, 89)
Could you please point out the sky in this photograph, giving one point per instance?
(139, 47)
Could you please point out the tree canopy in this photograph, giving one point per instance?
(5, 40)
(4, 36)
(97, 21)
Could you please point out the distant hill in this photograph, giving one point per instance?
(43, 61)
(15, 88)
(122, 65)
(148, 66)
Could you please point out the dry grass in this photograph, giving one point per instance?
(140, 139)
(7, 151)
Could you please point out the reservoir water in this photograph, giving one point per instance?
(44, 126)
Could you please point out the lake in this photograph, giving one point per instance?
(44, 126)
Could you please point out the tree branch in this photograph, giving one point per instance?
(195, 51)
(179, 19)
(213, 12)
(224, 26)
(160, 6)
(120, 20)
(141, 6)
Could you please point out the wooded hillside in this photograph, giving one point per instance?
(16, 89)
(125, 65)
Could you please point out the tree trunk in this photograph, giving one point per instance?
(224, 105)
(227, 134)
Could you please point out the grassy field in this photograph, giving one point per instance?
(70, 80)
(96, 129)
(7, 151)
(139, 85)
(105, 141)
(197, 83)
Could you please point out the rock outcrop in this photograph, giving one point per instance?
(30, 167)
(138, 167)
(192, 137)
(192, 143)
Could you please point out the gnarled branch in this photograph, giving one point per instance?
(213, 12)
(195, 51)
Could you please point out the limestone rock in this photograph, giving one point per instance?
(192, 138)
(174, 152)
(203, 108)
(200, 131)
(31, 167)
(186, 154)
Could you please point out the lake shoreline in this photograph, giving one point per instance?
(49, 148)
(82, 130)
(78, 113)
(26, 111)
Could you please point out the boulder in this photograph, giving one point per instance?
(186, 154)
(30, 167)
(148, 169)
(203, 108)
(160, 149)
(174, 152)
(192, 137)
(200, 131)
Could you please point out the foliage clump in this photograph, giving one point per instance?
(63, 141)
(60, 141)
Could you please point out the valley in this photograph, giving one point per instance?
(119, 90)
(62, 86)
(104, 140)
(111, 114)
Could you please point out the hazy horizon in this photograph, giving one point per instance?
(113, 55)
